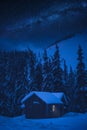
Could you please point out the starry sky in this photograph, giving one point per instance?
(40, 23)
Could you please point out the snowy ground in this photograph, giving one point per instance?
(71, 121)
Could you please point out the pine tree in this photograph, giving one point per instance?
(45, 60)
(3, 81)
(47, 74)
(80, 69)
(32, 58)
(38, 78)
(81, 81)
(17, 82)
(57, 71)
(86, 76)
(13, 80)
(65, 73)
(32, 64)
(71, 89)
(72, 80)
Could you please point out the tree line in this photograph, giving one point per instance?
(22, 72)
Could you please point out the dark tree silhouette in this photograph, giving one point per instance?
(38, 78)
(22, 72)
(47, 74)
(65, 75)
(81, 81)
(57, 71)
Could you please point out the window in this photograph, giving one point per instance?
(53, 108)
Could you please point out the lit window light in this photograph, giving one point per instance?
(53, 108)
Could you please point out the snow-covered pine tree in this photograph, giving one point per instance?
(3, 81)
(38, 78)
(32, 64)
(65, 77)
(86, 77)
(81, 81)
(47, 74)
(17, 82)
(3, 66)
(57, 71)
(71, 89)
(80, 69)
(71, 81)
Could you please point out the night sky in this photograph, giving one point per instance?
(39, 23)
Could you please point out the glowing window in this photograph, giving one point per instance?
(53, 108)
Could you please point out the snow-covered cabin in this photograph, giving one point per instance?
(43, 104)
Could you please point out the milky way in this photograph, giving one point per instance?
(40, 24)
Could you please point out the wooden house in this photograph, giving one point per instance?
(43, 104)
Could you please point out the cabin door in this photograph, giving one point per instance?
(36, 110)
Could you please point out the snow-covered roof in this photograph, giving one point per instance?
(47, 97)
(59, 95)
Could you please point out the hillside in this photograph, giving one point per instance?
(69, 46)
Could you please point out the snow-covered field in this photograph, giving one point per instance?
(71, 121)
